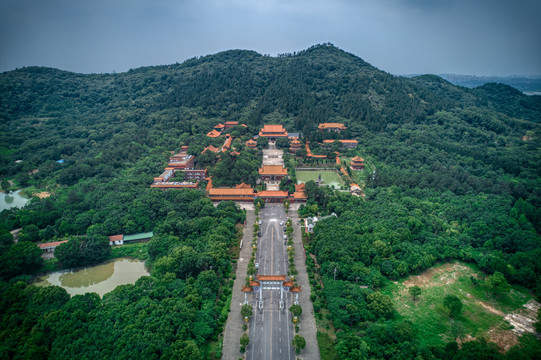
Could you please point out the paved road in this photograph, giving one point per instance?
(271, 330)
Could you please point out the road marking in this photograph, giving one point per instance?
(272, 250)
(271, 336)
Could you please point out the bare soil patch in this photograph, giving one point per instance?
(42, 194)
(490, 308)
(505, 339)
(442, 275)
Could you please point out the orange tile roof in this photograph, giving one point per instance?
(273, 170)
(272, 193)
(271, 277)
(295, 142)
(116, 237)
(209, 183)
(288, 283)
(231, 198)
(231, 123)
(273, 128)
(254, 283)
(299, 187)
(251, 143)
(211, 148)
(235, 153)
(227, 144)
(242, 186)
(51, 244)
(299, 195)
(219, 126)
(357, 159)
(213, 134)
(247, 289)
(295, 289)
(273, 131)
(324, 126)
(231, 192)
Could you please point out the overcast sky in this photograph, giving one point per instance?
(475, 37)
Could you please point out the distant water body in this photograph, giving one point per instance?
(11, 200)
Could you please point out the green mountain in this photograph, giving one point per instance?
(452, 173)
(108, 121)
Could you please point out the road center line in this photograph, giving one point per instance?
(272, 251)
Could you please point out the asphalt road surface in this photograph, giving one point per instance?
(271, 330)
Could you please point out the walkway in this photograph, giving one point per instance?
(308, 322)
(233, 327)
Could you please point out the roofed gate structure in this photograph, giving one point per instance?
(271, 282)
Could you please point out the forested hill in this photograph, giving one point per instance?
(99, 123)
(451, 173)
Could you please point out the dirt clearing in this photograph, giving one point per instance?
(441, 275)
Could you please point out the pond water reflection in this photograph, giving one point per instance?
(100, 279)
(13, 199)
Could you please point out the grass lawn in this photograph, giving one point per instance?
(480, 314)
(326, 347)
(137, 250)
(329, 177)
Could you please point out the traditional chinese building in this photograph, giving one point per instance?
(299, 194)
(294, 145)
(233, 194)
(251, 144)
(214, 149)
(168, 173)
(181, 161)
(357, 163)
(214, 133)
(195, 174)
(230, 124)
(355, 189)
(272, 172)
(227, 144)
(336, 127)
(273, 196)
(273, 131)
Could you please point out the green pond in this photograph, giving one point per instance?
(329, 177)
(100, 279)
(13, 199)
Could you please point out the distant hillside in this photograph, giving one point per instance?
(527, 85)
